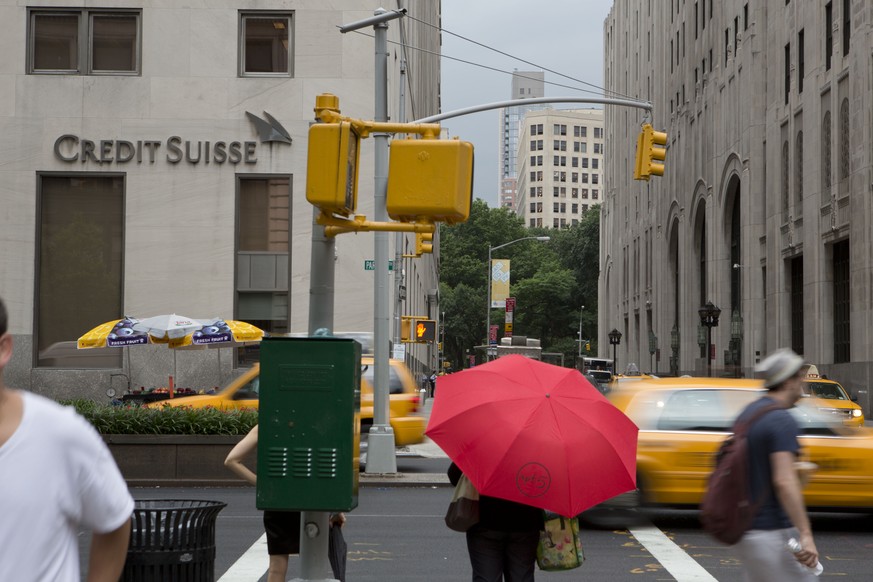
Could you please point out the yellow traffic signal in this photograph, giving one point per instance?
(430, 178)
(405, 329)
(332, 167)
(651, 152)
(425, 330)
(423, 243)
(587, 346)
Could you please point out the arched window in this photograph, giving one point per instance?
(798, 174)
(826, 158)
(785, 191)
(844, 140)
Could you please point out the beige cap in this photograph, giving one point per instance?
(778, 367)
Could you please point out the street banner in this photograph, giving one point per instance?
(499, 282)
(508, 317)
(492, 335)
(471, 360)
(510, 304)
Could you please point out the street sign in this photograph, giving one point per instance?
(492, 335)
(399, 352)
(370, 265)
(507, 329)
(510, 305)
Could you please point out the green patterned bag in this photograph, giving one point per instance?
(559, 547)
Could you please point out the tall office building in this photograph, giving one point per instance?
(525, 85)
(764, 208)
(560, 166)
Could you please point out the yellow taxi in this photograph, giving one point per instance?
(830, 397)
(404, 402)
(683, 421)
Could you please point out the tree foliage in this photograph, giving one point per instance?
(550, 281)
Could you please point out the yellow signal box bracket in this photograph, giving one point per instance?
(424, 166)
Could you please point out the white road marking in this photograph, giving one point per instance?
(250, 566)
(674, 559)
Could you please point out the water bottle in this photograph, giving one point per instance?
(795, 548)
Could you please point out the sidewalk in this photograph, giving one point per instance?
(427, 450)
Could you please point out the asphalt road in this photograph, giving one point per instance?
(397, 533)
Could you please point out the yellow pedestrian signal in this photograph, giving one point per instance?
(651, 152)
(332, 167)
(430, 178)
(425, 330)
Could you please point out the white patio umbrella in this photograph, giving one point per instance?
(168, 327)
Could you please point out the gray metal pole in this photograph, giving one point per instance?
(399, 237)
(314, 562)
(380, 444)
(488, 312)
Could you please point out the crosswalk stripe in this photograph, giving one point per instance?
(250, 566)
(674, 559)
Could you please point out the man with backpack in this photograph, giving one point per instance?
(774, 483)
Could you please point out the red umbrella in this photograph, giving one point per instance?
(534, 433)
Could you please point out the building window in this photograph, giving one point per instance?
(844, 139)
(847, 25)
(798, 175)
(264, 214)
(785, 191)
(80, 238)
(594, 194)
(826, 158)
(265, 44)
(555, 207)
(533, 222)
(787, 71)
(842, 307)
(574, 192)
(797, 304)
(574, 208)
(584, 192)
(595, 163)
(800, 64)
(829, 34)
(533, 206)
(84, 42)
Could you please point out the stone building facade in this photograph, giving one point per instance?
(765, 207)
(153, 160)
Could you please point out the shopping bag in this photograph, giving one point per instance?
(559, 547)
(463, 512)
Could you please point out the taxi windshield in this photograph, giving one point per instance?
(827, 391)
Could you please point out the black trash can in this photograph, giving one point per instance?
(172, 540)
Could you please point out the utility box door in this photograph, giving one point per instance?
(309, 424)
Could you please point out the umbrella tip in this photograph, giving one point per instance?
(547, 395)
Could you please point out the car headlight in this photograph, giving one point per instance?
(857, 412)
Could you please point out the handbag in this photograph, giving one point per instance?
(559, 547)
(463, 512)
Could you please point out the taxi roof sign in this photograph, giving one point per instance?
(812, 372)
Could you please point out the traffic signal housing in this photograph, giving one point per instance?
(430, 178)
(332, 167)
(425, 331)
(651, 152)
(423, 243)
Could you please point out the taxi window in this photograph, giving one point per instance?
(704, 410)
(826, 391)
(249, 391)
(395, 384)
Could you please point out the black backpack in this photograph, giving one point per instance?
(727, 509)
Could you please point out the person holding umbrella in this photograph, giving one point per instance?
(503, 545)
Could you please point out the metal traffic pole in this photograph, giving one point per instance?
(380, 442)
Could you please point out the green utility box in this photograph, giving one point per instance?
(309, 424)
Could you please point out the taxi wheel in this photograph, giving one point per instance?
(642, 500)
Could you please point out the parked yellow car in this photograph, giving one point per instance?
(830, 397)
(404, 402)
(683, 421)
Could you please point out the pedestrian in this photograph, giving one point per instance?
(282, 527)
(432, 381)
(503, 545)
(773, 450)
(58, 478)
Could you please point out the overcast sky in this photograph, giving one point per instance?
(565, 36)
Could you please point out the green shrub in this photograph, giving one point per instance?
(127, 419)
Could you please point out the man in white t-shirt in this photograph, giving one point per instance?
(57, 477)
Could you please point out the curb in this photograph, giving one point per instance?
(403, 480)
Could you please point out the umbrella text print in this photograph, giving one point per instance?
(123, 334)
(533, 480)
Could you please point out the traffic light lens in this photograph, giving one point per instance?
(420, 330)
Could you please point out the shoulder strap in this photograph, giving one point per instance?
(746, 424)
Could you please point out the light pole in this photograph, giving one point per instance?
(709, 318)
(488, 285)
(615, 340)
(581, 309)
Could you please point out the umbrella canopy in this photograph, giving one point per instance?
(169, 327)
(534, 433)
(117, 333)
(218, 331)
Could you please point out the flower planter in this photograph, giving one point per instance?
(175, 460)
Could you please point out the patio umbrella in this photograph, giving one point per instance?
(534, 433)
(168, 327)
(220, 332)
